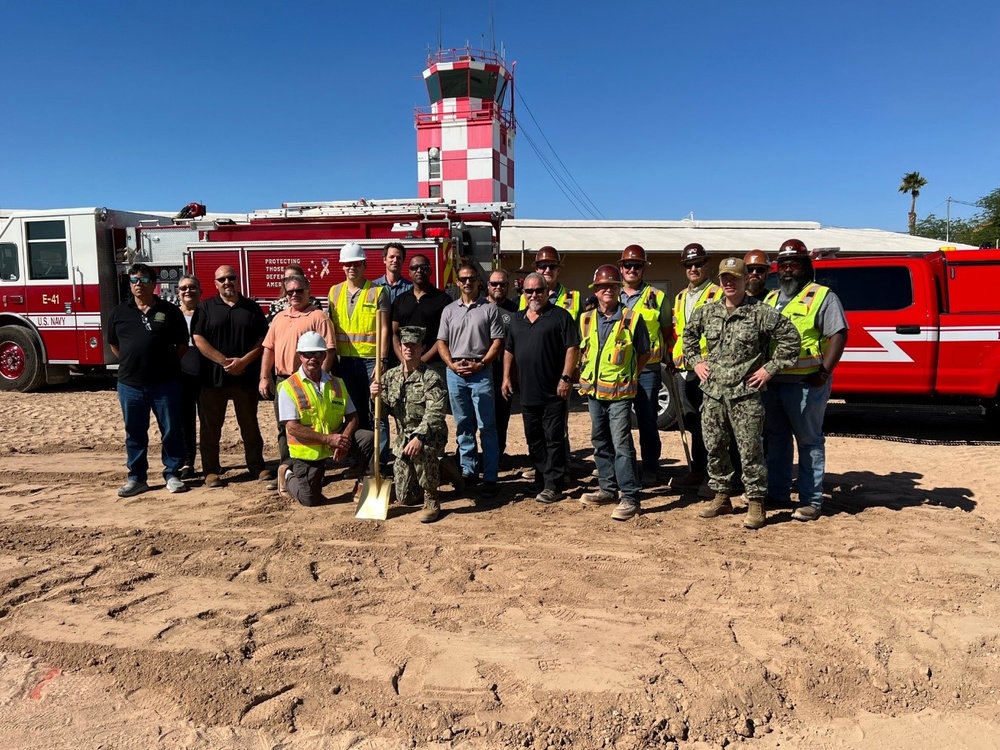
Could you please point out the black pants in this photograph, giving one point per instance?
(545, 433)
(190, 409)
(501, 406)
(691, 400)
(213, 413)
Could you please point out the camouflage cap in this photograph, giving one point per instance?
(412, 334)
(733, 266)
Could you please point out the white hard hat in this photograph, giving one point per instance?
(351, 252)
(310, 341)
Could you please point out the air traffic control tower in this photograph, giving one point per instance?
(465, 138)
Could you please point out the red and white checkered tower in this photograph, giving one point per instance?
(465, 138)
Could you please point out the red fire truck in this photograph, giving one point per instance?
(62, 271)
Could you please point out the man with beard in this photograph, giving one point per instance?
(542, 347)
(738, 331)
(499, 284)
(795, 401)
(758, 268)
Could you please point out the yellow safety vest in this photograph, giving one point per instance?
(711, 294)
(567, 300)
(802, 310)
(648, 306)
(355, 333)
(323, 413)
(609, 374)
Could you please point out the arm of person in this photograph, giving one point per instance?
(239, 364)
(266, 386)
(565, 386)
(436, 399)
(432, 351)
(445, 353)
(495, 352)
(507, 386)
(210, 352)
(396, 346)
(693, 330)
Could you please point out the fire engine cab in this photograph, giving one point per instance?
(62, 271)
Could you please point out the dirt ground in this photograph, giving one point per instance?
(230, 618)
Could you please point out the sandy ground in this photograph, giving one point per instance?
(229, 618)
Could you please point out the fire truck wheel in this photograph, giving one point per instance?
(20, 361)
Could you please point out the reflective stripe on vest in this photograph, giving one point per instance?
(609, 374)
(567, 300)
(711, 294)
(355, 333)
(802, 310)
(648, 306)
(324, 414)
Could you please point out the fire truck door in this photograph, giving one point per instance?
(50, 286)
(12, 292)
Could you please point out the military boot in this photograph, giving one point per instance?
(719, 506)
(432, 507)
(756, 517)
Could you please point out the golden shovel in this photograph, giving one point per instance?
(374, 500)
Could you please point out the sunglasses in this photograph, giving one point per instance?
(224, 279)
(312, 355)
(546, 266)
(466, 279)
(789, 264)
(421, 267)
(499, 283)
(760, 270)
(290, 292)
(632, 266)
(139, 279)
(539, 290)
(700, 264)
(352, 264)
(191, 288)
(605, 287)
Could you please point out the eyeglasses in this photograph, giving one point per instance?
(312, 355)
(295, 291)
(191, 288)
(699, 264)
(466, 279)
(499, 283)
(539, 290)
(605, 287)
(789, 263)
(420, 267)
(139, 279)
(352, 264)
(632, 266)
(546, 266)
(760, 270)
(224, 279)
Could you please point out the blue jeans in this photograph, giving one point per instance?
(472, 405)
(164, 400)
(647, 407)
(795, 410)
(614, 451)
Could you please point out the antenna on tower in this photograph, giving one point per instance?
(440, 14)
(493, 39)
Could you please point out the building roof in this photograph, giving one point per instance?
(716, 236)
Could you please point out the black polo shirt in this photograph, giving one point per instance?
(234, 331)
(147, 342)
(539, 351)
(408, 310)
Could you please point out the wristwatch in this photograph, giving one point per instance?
(566, 378)
(420, 436)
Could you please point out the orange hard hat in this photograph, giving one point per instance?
(634, 252)
(793, 249)
(606, 274)
(693, 253)
(756, 258)
(547, 254)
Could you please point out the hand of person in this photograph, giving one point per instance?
(703, 371)
(563, 389)
(758, 379)
(507, 389)
(817, 379)
(265, 388)
(376, 389)
(235, 366)
(413, 447)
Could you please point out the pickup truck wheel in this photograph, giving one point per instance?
(20, 361)
(666, 414)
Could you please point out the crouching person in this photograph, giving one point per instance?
(320, 421)
(416, 396)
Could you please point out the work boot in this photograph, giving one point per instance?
(432, 508)
(719, 506)
(756, 517)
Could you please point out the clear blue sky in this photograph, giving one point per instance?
(731, 109)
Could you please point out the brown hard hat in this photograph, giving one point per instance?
(606, 274)
(693, 253)
(793, 249)
(756, 258)
(547, 254)
(634, 252)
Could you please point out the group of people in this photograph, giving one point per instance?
(749, 369)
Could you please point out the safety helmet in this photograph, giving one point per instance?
(310, 341)
(693, 253)
(793, 249)
(547, 254)
(351, 252)
(606, 274)
(634, 252)
(756, 258)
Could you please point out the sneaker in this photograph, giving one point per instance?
(186, 472)
(802, 513)
(624, 511)
(175, 485)
(529, 475)
(548, 497)
(213, 481)
(600, 497)
(132, 487)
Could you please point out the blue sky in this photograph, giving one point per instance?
(744, 110)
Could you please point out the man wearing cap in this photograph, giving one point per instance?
(758, 268)
(650, 303)
(357, 307)
(728, 342)
(795, 402)
(416, 397)
(700, 290)
(549, 263)
(614, 348)
(320, 421)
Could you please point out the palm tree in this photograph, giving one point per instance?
(912, 182)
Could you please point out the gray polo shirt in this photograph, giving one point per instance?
(469, 330)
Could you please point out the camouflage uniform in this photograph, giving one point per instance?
(738, 344)
(417, 402)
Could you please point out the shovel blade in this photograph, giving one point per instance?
(373, 503)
